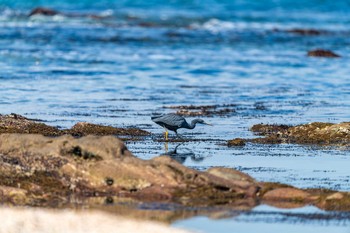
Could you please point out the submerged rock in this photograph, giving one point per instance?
(306, 32)
(322, 53)
(313, 133)
(204, 110)
(14, 123)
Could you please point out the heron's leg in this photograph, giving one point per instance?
(166, 135)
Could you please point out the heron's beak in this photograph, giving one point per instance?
(207, 124)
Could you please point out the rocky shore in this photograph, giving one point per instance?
(44, 171)
(83, 166)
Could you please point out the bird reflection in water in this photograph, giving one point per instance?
(181, 157)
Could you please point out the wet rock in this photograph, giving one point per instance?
(322, 53)
(231, 174)
(43, 11)
(335, 196)
(306, 32)
(51, 12)
(239, 178)
(236, 142)
(287, 194)
(288, 197)
(13, 195)
(313, 133)
(263, 129)
(15, 123)
(331, 200)
(84, 128)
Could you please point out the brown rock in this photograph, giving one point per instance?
(231, 174)
(335, 196)
(84, 128)
(287, 194)
(13, 195)
(322, 53)
(43, 11)
(15, 123)
(239, 178)
(236, 142)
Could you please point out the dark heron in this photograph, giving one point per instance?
(174, 122)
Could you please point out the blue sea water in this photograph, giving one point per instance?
(118, 62)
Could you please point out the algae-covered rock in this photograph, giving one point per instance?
(84, 128)
(236, 142)
(14, 123)
(13, 195)
(313, 133)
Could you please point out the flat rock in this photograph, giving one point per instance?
(85, 128)
(286, 194)
(335, 196)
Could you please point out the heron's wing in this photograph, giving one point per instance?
(169, 119)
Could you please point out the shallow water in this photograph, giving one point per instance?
(139, 57)
(269, 219)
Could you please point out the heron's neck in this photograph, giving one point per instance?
(192, 125)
